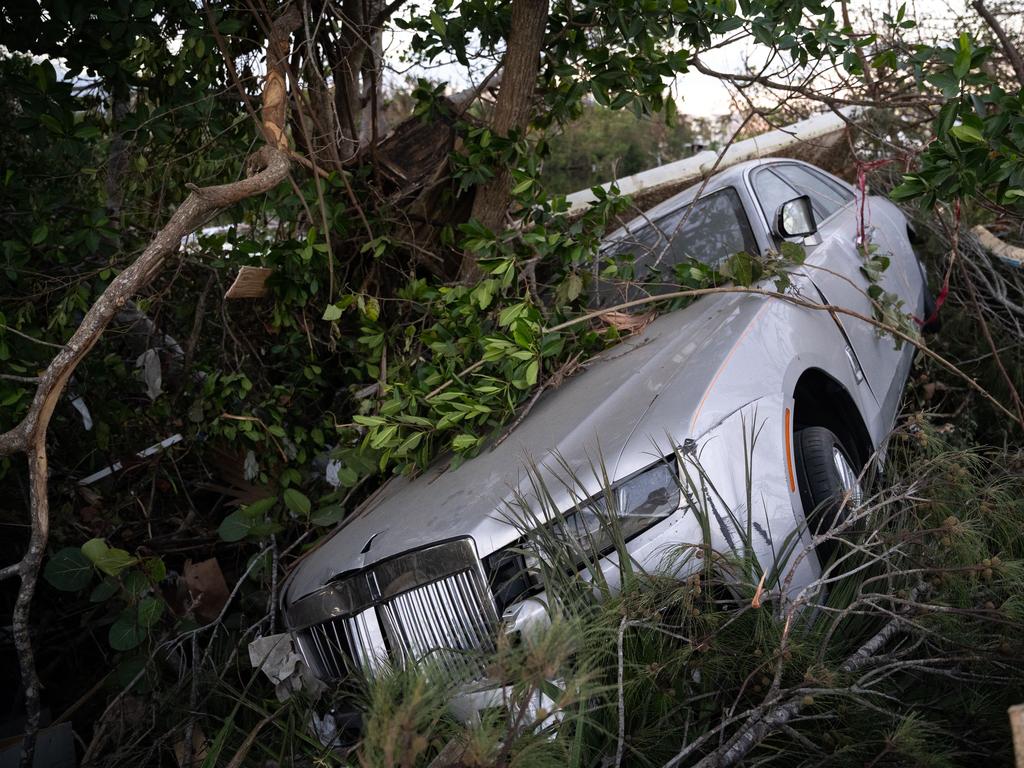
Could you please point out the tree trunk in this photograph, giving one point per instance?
(512, 111)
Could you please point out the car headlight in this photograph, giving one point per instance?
(628, 508)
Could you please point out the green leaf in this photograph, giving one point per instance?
(946, 82)
(95, 549)
(116, 561)
(261, 507)
(372, 309)
(126, 634)
(150, 611)
(962, 63)
(297, 502)
(347, 476)
(574, 286)
(68, 570)
(381, 438)
(509, 314)
(235, 526)
(105, 590)
(328, 515)
(911, 187)
(437, 23)
(531, 372)
(110, 560)
(154, 569)
(464, 442)
(333, 312)
(135, 583)
(967, 133)
(522, 186)
(793, 252)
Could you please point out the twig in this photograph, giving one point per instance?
(456, 377)
(16, 332)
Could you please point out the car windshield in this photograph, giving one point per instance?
(645, 261)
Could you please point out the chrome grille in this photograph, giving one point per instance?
(347, 644)
(445, 624)
(429, 607)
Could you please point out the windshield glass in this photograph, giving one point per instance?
(647, 260)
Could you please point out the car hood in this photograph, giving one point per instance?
(622, 412)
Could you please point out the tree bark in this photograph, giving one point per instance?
(268, 168)
(511, 112)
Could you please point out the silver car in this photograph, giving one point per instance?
(429, 567)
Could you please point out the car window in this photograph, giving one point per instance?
(827, 197)
(710, 230)
(772, 191)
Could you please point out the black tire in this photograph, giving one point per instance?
(822, 486)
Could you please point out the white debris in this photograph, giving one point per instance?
(276, 656)
(79, 405)
(117, 465)
(149, 362)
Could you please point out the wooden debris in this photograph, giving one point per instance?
(1010, 254)
(251, 283)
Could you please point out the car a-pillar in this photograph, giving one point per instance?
(829, 446)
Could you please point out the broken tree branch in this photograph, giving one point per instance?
(268, 167)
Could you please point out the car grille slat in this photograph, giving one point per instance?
(442, 616)
(446, 623)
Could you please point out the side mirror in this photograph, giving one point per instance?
(795, 218)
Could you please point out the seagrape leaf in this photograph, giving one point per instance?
(68, 570)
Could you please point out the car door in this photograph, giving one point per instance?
(833, 264)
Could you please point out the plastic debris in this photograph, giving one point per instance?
(79, 405)
(117, 466)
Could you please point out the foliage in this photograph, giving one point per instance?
(603, 144)
(979, 131)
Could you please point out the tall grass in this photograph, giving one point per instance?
(649, 665)
(684, 663)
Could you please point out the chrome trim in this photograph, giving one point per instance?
(431, 605)
(382, 581)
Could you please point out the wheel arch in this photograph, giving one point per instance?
(819, 400)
